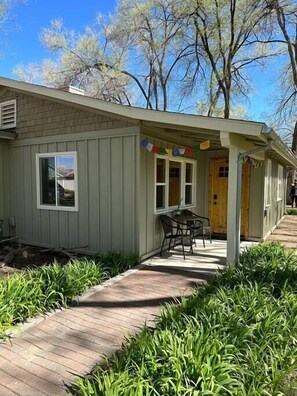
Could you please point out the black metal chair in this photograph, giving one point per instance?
(202, 227)
(178, 232)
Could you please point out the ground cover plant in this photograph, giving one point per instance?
(36, 291)
(291, 211)
(235, 336)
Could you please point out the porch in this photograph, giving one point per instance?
(206, 260)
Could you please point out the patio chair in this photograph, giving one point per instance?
(176, 232)
(203, 228)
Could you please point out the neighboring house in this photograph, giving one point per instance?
(76, 172)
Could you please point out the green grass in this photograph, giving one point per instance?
(292, 211)
(235, 336)
(25, 294)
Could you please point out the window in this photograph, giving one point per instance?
(8, 114)
(160, 183)
(224, 171)
(174, 194)
(189, 184)
(174, 182)
(280, 182)
(57, 181)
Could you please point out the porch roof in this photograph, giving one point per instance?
(181, 129)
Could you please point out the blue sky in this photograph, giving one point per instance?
(22, 45)
(21, 37)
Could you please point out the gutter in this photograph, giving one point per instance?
(238, 190)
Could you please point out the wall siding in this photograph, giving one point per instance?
(38, 117)
(275, 211)
(151, 234)
(256, 212)
(3, 184)
(106, 218)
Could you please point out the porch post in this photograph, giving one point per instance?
(232, 228)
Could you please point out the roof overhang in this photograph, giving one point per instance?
(178, 128)
(8, 134)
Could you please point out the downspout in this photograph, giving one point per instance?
(238, 192)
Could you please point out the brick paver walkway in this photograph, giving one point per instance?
(53, 352)
(286, 232)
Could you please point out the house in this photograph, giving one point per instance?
(76, 172)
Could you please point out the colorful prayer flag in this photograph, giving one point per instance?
(162, 151)
(196, 148)
(205, 145)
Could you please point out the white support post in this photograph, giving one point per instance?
(232, 228)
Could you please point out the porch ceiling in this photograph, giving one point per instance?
(183, 137)
(190, 136)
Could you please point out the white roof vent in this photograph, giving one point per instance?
(73, 89)
(8, 114)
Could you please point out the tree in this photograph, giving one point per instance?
(6, 7)
(140, 56)
(227, 31)
(285, 15)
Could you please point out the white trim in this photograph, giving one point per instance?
(183, 162)
(268, 181)
(152, 117)
(133, 113)
(55, 155)
(280, 182)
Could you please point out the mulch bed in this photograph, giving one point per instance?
(28, 257)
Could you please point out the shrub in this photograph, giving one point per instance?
(235, 336)
(36, 291)
(291, 211)
(115, 262)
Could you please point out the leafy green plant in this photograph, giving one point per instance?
(235, 336)
(36, 291)
(291, 211)
(115, 262)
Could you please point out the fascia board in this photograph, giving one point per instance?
(133, 113)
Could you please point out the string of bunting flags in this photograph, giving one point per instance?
(176, 152)
(253, 162)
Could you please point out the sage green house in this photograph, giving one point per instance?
(76, 172)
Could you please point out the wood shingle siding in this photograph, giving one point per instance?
(38, 117)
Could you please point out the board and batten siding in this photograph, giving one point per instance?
(151, 234)
(106, 220)
(274, 206)
(256, 208)
(3, 184)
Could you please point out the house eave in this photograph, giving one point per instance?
(151, 119)
(8, 134)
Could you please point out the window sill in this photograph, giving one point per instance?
(173, 209)
(59, 208)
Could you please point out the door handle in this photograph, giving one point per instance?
(215, 196)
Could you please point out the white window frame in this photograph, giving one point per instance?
(11, 125)
(280, 182)
(57, 207)
(183, 162)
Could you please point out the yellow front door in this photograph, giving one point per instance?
(218, 195)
